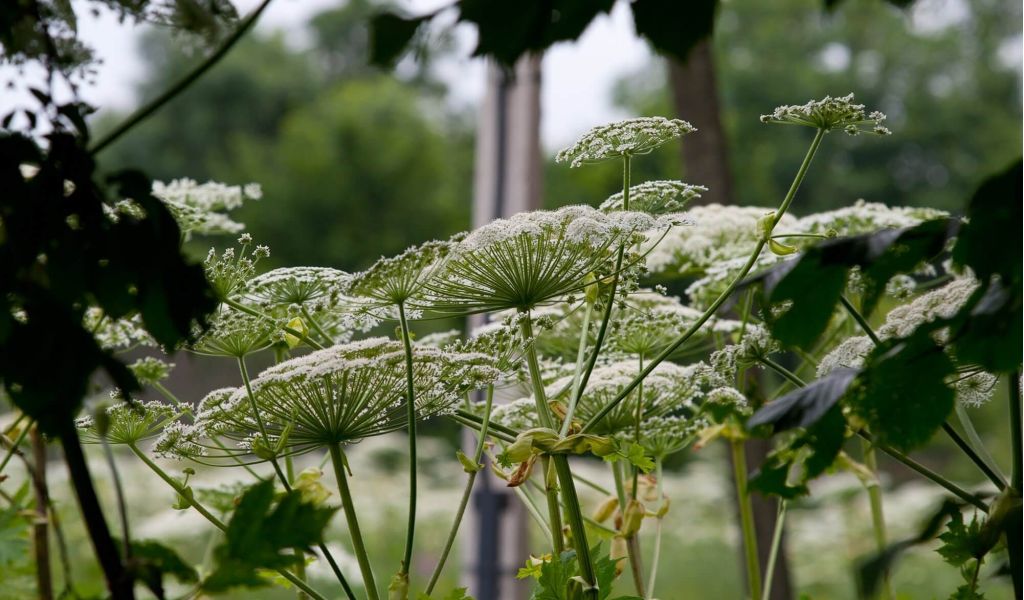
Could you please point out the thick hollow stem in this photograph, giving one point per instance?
(338, 460)
(213, 520)
(410, 403)
(877, 513)
(739, 461)
(576, 525)
(465, 493)
(118, 581)
(554, 510)
(801, 173)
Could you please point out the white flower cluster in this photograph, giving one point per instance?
(228, 273)
(535, 258)
(865, 217)
(756, 343)
(666, 435)
(200, 208)
(116, 334)
(656, 197)
(829, 114)
(624, 138)
(128, 423)
(338, 395)
(394, 280)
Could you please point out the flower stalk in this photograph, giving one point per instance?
(338, 461)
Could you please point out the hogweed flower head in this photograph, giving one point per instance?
(116, 334)
(200, 208)
(656, 197)
(235, 334)
(664, 436)
(231, 270)
(830, 114)
(631, 137)
(127, 423)
(150, 370)
(394, 280)
(338, 395)
(535, 258)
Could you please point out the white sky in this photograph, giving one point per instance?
(577, 77)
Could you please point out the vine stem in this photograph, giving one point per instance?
(906, 460)
(477, 455)
(202, 510)
(338, 460)
(801, 173)
(410, 530)
(182, 84)
(739, 461)
(874, 490)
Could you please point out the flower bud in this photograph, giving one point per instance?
(618, 553)
(606, 509)
(632, 518)
(298, 325)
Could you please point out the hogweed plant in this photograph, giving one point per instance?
(863, 321)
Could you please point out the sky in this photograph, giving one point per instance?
(577, 77)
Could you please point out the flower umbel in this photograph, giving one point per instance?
(625, 138)
(830, 114)
(656, 197)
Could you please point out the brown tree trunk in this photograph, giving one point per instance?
(705, 157)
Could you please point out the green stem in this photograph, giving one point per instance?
(877, 513)
(773, 554)
(801, 173)
(554, 510)
(316, 326)
(533, 509)
(656, 556)
(578, 373)
(606, 317)
(859, 318)
(338, 460)
(966, 448)
(781, 370)
(477, 455)
(539, 397)
(259, 422)
(1013, 525)
(975, 439)
(576, 525)
(739, 461)
(182, 84)
(202, 510)
(411, 418)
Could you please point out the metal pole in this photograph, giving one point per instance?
(507, 181)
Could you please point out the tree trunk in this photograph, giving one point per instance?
(705, 157)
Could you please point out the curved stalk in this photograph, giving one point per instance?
(202, 510)
(338, 460)
(182, 84)
(465, 493)
(739, 461)
(801, 173)
(975, 439)
(578, 373)
(410, 529)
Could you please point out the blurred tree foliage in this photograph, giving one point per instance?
(950, 86)
(354, 163)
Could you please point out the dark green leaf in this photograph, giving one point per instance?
(152, 561)
(991, 332)
(960, 541)
(812, 283)
(260, 535)
(804, 406)
(390, 35)
(990, 240)
(787, 470)
(901, 393)
(508, 30)
(674, 27)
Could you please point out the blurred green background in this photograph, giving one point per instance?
(356, 163)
